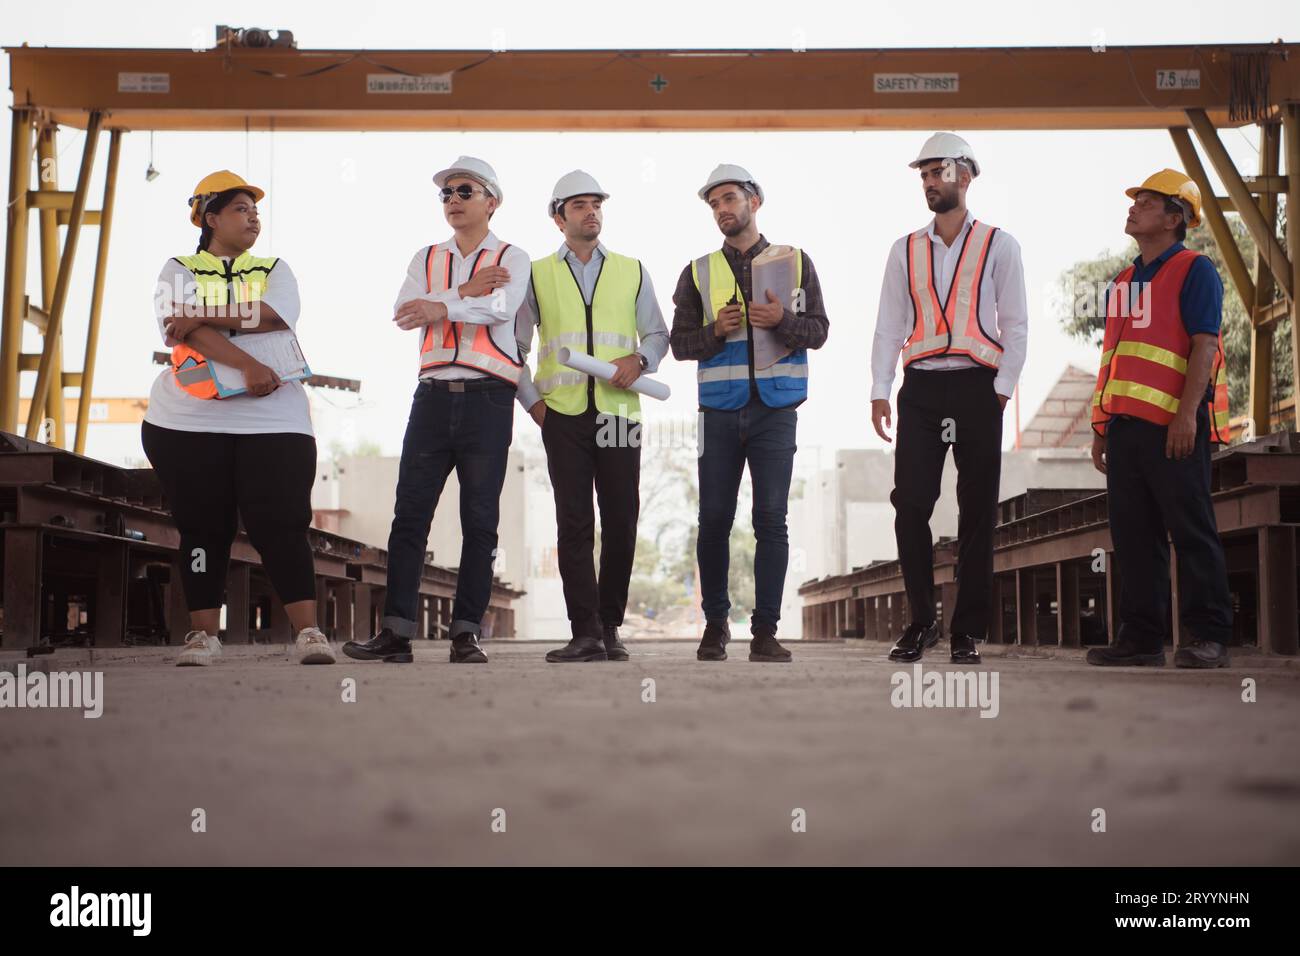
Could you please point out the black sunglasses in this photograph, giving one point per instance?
(465, 191)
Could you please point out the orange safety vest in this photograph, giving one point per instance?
(953, 327)
(1144, 363)
(452, 346)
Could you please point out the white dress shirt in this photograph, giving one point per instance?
(496, 309)
(1003, 306)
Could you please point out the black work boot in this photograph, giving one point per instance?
(1201, 654)
(578, 650)
(914, 642)
(464, 644)
(384, 646)
(764, 647)
(1129, 650)
(614, 648)
(713, 645)
(963, 650)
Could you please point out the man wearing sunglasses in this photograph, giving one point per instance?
(748, 399)
(586, 298)
(461, 295)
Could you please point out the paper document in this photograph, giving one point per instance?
(278, 351)
(582, 362)
(775, 268)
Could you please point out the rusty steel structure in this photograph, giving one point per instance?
(83, 539)
(1056, 580)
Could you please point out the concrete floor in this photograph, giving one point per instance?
(710, 773)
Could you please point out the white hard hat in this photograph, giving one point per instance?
(474, 168)
(576, 183)
(730, 173)
(947, 146)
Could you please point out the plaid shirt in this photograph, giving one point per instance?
(692, 339)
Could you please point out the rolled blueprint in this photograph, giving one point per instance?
(582, 362)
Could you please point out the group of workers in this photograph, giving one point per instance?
(952, 306)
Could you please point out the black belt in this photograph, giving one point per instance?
(467, 384)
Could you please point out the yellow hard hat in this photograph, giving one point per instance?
(214, 183)
(1170, 182)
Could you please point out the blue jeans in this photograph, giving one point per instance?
(765, 438)
(471, 432)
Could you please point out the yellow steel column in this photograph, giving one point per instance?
(43, 374)
(1215, 218)
(11, 343)
(97, 293)
(47, 180)
(1265, 238)
(1261, 333)
(1291, 123)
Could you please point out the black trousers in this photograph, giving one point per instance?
(211, 480)
(582, 451)
(936, 409)
(1152, 499)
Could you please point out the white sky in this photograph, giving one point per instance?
(347, 210)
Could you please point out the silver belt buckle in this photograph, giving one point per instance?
(456, 386)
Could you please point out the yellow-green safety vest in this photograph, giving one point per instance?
(245, 276)
(605, 329)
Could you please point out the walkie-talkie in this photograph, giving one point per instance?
(734, 300)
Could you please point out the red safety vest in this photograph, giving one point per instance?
(1145, 351)
(451, 345)
(953, 327)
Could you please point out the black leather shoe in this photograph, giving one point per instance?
(465, 649)
(614, 648)
(914, 642)
(713, 645)
(1201, 654)
(1126, 652)
(764, 647)
(579, 649)
(963, 649)
(384, 646)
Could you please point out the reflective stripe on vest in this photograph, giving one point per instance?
(1143, 367)
(953, 327)
(451, 346)
(246, 276)
(723, 379)
(563, 323)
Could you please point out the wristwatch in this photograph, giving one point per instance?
(645, 363)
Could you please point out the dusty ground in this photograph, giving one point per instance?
(412, 772)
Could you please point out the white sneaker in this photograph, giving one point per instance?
(314, 647)
(200, 649)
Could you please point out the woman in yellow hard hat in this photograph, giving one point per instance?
(250, 455)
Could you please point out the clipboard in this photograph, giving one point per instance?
(773, 269)
(279, 351)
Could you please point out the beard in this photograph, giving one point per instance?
(738, 224)
(942, 203)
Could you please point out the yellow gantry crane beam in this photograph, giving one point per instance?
(1202, 88)
(1011, 88)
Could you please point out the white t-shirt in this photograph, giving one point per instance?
(170, 406)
